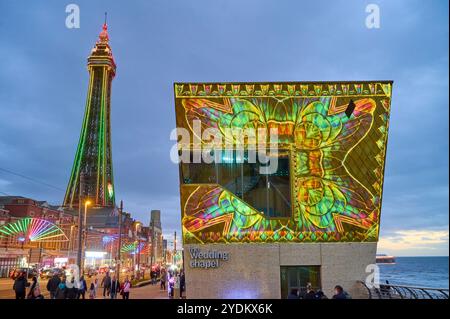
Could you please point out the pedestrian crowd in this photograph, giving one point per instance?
(112, 287)
(310, 293)
(64, 288)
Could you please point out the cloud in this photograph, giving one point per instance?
(4, 183)
(44, 83)
(412, 241)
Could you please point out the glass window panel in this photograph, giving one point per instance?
(279, 189)
(297, 277)
(237, 172)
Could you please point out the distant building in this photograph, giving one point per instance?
(156, 237)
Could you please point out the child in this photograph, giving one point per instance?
(92, 291)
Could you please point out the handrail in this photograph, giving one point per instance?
(393, 291)
(415, 287)
(368, 289)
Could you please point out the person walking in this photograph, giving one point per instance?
(61, 290)
(182, 283)
(106, 284)
(93, 289)
(72, 290)
(82, 289)
(126, 289)
(52, 285)
(34, 286)
(115, 287)
(20, 285)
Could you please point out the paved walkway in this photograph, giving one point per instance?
(148, 292)
(145, 292)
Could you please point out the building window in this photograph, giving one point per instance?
(295, 278)
(241, 175)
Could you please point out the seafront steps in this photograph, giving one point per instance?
(393, 291)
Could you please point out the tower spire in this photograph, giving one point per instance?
(104, 38)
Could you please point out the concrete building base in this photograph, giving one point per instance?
(253, 270)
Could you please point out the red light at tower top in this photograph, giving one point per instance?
(104, 38)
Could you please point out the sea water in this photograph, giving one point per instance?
(416, 271)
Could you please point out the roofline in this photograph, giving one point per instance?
(289, 82)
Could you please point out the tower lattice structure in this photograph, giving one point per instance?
(92, 172)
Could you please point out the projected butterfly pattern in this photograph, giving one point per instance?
(337, 169)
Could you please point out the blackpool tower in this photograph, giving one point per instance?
(92, 173)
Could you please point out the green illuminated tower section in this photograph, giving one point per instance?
(93, 161)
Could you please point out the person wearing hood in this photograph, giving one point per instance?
(20, 286)
(34, 288)
(52, 285)
(61, 290)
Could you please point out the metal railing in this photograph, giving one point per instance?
(392, 291)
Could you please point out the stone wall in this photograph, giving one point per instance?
(253, 270)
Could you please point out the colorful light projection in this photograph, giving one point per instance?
(135, 248)
(34, 230)
(337, 161)
(109, 239)
(128, 247)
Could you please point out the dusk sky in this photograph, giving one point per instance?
(44, 80)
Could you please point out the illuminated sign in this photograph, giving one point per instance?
(95, 254)
(61, 260)
(207, 259)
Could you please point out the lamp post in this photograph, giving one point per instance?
(119, 244)
(71, 242)
(174, 248)
(80, 224)
(86, 204)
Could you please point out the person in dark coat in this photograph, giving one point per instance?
(310, 293)
(52, 285)
(339, 293)
(115, 287)
(106, 284)
(82, 289)
(20, 286)
(293, 294)
(61, 290)
(182, 283)
(34, 285)
(320, 295)
(72, 290)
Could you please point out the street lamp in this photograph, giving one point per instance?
(71, 241)
(86, 204)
